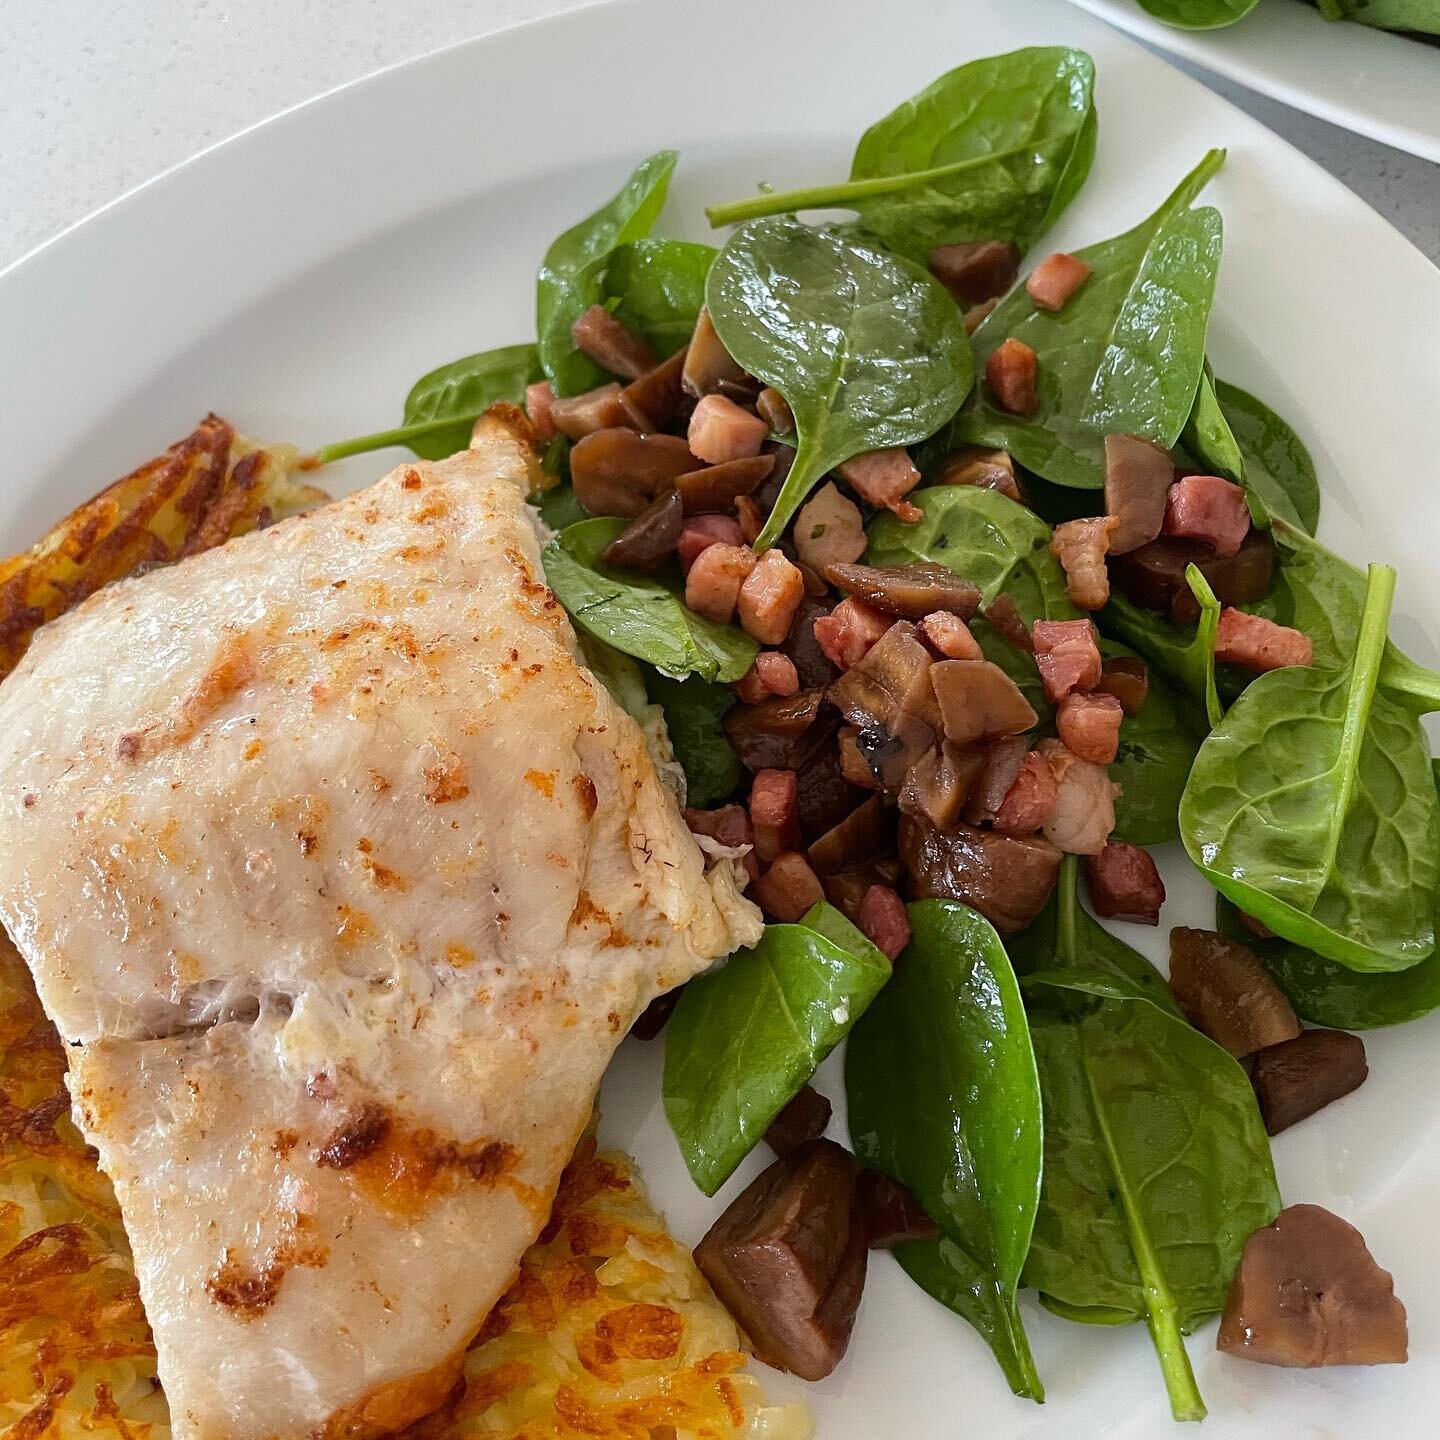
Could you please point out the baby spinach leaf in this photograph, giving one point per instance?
(693, 710)
(653, 287)
(745, 1038)
(1311, 806)
(985, 536)
(640, 615)
(1066, 936)
(1419, 16)
(1157, 749)
(1278, 467)
(1126, 353)
(1186, 656)
(942, 1092)
(561, 294)
(1157, 1168)
(1198, 14)
(868, 350)
(1207, 434)
(443, 406)
(993, 150)
(1325, 993)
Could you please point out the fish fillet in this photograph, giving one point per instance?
(343, 878)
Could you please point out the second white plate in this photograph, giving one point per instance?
(1378, 84)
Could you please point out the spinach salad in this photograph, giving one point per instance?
(1408, 17)
(948, 586)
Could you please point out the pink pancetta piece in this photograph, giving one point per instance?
(702, 531)
(1030, 800)
(884, 478)
(848, 631)
(1090, 725)
(1055, 279)
(950, 636)
(1260, 644)
(884, 921)
(1012, 373)
(769, 598)
(712, 587)
(1084, 813)
(828, 530)
(720, 430)
(1080, 546)
(538, 398)
(775, 812)
(1208, 508)
(1067, 656)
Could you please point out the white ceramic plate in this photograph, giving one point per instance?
(1376, 83)
(300, 277)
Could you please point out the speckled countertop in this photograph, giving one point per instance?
(102, 94)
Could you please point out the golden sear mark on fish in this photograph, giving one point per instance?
(230, 670)
(543, 781)
(445, 779)
(248, 1292)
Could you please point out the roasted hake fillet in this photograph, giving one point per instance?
(343, 878)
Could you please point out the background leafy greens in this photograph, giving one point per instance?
(943, 1095)
(745, 1038)
(1125, 355)
(868, 350)
(993, 150)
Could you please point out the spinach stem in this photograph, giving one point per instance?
(1205, 635)
(383, 439)
(841, 196)
(1160, 1310)
(1067, 947)
(792, 494)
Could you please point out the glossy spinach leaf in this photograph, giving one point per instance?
(1421, 17)
(564, 289)
(1311, 806)
(1065, 936)
(868, 350)
(1207, 434)
(653, 287)
(693, 710)
(1185, 655)
(1157, 749)
(1198, 14)
(984, 536)
(1278, 467)
(1336, 996)
(1126, 353)
(745, 1038)
(638, 614)
(993, 150)
(443, 406)
(942, 1093)
(1157, 1166)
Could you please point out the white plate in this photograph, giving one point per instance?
(1376, 83)
(300, 277)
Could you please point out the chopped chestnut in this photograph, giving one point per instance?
(803, 1118)
(656, 1014)
(1308, 1292)
(861, 833)
(1227, 993)
(788, 888)
(1138, 475)
(716, 487)
(911, 591)
(618, 472)
(979, 701)
(938, 784)
(577, 416)
(854, 764)
(976, 271)
(1000, 764)
(1007, 878)
(1154, 575)
(811, 663)
(778, 734)
(974, 465)
(651, 537)
(1127, 678)
(611, 344)
(1125, 884)
(1297, 1077)
(656, 399)
(774, 411)
(826, 795)
(787, 1259)
(708, 366)
(892, 1213)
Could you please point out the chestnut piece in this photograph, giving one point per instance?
(1227, 993)
(1297, 1077)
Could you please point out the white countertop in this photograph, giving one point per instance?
(100, 95)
